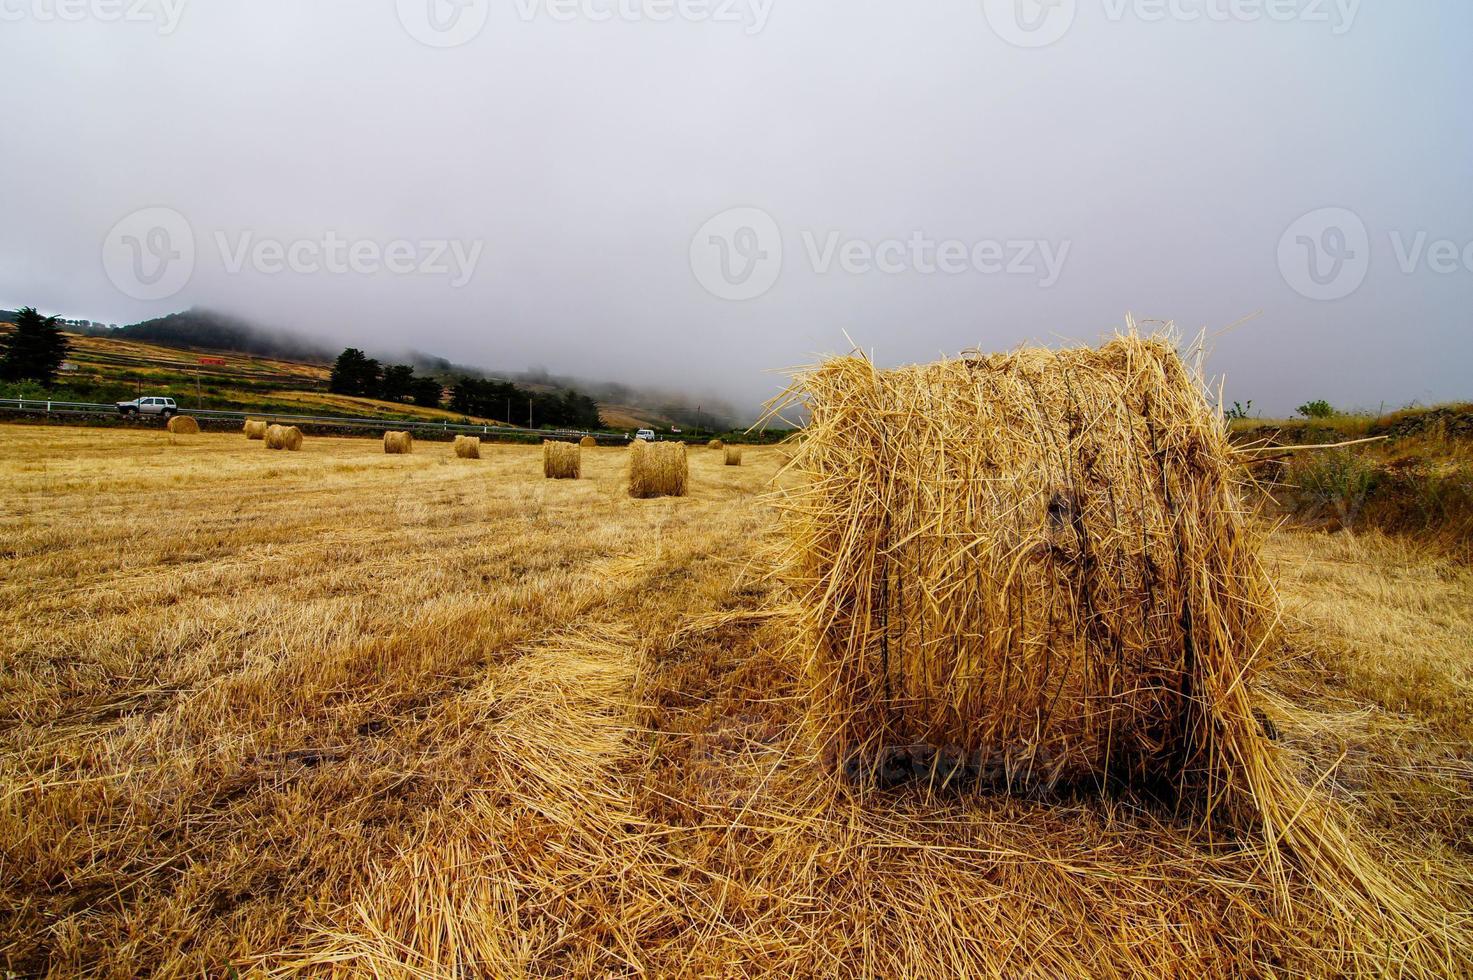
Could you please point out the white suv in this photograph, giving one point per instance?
(164, 407)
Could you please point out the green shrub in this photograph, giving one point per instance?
(1336, 480)
(1317, 409)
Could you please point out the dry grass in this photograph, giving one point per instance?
(562, 460)
(398, 443)
(184, 425)
(468, 447)
(503, 728)
(658, 469)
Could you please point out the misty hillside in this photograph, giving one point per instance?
(220, 331)
(202, 328)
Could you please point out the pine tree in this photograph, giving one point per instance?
(34, 350)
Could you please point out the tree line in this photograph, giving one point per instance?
(355, 373)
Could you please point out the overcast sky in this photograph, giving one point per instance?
(696, 192)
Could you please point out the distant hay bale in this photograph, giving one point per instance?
(287, 437)
(468, 447)
(398, 443)
(733, 455)
(715, 444)
(562, 460)
(255, 428)
(588, 442)
(184, 425)
(658, 469)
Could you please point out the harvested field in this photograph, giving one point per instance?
(333, 713)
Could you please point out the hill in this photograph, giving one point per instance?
(113, 365)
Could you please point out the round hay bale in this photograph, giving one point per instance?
(715, 444)
(184, 425)
(588, 442)
(658, 469)
(468, 447)
(287, 437)
(1037, 560)
(562, 460)
(255, 428)
(398, 443)
(733, 455)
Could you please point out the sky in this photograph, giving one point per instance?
(699, 194)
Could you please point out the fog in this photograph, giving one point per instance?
(536, 182)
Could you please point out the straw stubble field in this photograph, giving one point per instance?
(342, 712)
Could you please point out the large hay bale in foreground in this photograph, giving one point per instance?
(1034, 569)
(1036, 560)
(588, 442)
(255, 428)
(658, 469)
(733, 455)
(287, 437)
(468, 447)
(184, 425)
(398, 443)
(562, 460)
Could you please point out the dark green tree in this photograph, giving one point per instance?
(426, 392)
(34, 350)
(355, 373)
(397, 383)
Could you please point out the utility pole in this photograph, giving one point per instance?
(529, 411)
